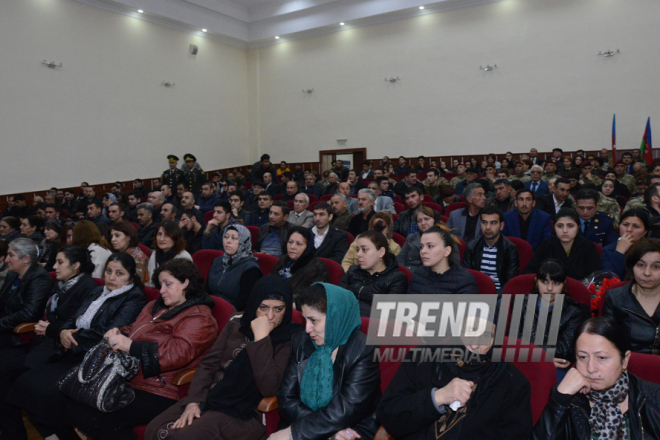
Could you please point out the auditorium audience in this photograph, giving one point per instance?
(261, 213)
(124, 238)
(409, 180)
(233, 275)
(596, 226)
(599, 397)
(405, 223)
(300, 215)
(381, 222)
(383, 202)
(331, 383)
(116, 304)
(273, 236)
(536, 185)
(439, 273)
(50, 244)
(526, 222)
(341, 218)
(214, 230)
(30, 228)
(635, 306)
(465, 221)
(634, 227)
(148, 228)
(87, 236)
(329, 242)
(300, 266)
(168, 244)
(557, 199)
(377, 271)
(504, 198)
(577, 254)
(360, 222)
(9, 228)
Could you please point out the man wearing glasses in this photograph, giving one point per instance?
(536, 185)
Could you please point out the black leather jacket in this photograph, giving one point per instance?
(27, 302)
(365, 286)
(356, 391)
(118, 312)
(642, 330)
(566, 417)
(508, 261)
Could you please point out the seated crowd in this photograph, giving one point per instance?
(77, 269)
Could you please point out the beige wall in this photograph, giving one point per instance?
(550, 89)
(104, 116)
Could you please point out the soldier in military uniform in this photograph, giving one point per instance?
(460, 169)
(598, 227)
(587, 174)
(194, 178)
(550, 168)
(609, 206)
(623, 177)
(173, 176)
(638, 202)
(519, 173)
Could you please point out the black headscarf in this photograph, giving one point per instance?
(237, 394)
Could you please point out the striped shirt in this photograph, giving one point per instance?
(489, 264)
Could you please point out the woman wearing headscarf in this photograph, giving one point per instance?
(233, 275)
(599, 398)
(299, 266)
(245, 364)
(493, 398)
(332, 385)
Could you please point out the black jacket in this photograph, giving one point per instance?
(283, 232)
(572, 315)
(401, 187)
(456, 280)
(356, 391)
(365, 286)
(508, 261)
(546, 204)
(334, 245)
(642, 330)
(27, 302)
(69, 303)
(118, 312)
(407, 410)
(304, 272)
(566, 417)
(582, 261)
(146, 234)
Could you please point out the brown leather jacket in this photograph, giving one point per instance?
(169, 340)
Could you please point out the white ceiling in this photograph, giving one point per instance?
(255, 23)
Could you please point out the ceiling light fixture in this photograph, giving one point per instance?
(421, 7)
(140, 11)
(277, 37)
(204, 30)
(342, 23)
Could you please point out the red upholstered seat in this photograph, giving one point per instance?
(407, 272)
(350, 238)
(311, 206)
(266, 262)
(99, 282)
(645, 366)
(151, 293)
(461, 247)
(204, 259)
(434, 206)
(145, 250)
(398, 239)
(444, 219)
(312, 198)
(254, 231)
(399, 207)
(290, 203)
(486, 285)
(599, 248)
(137, 225)
(453, 207)
(326, 197)
(277, 197)
(525, 251)
(395, 217)
(208, 216)
(427, 198)
(334, 269)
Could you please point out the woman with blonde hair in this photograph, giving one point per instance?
(87, 236)
(381, 222)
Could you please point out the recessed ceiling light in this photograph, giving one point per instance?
(421, 7)
(204, 30)
(277, 37)
(342, 23)
(140, 11)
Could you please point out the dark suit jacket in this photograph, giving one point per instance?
(539, 226)
(334, 246)
(546, 204)
(541, 190)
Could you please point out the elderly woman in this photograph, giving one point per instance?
(633, 227)
(74, 284)
(332, 385)
(87, 236)
(233, 275)
(599, 398)
(635, 306)
(50, 244)
(171, 333)
(246, 363)
(377, 271)
(124, 238)
(380, 222)
(30, 228)
(477, 399)
(299, 266)
(168, 244)
(116, 304)
(25, 290)
(9, 228)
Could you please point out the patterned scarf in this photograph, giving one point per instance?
(606, 418)
(244, 245)
(85, 320)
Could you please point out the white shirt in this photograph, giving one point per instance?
(557, 204)
(318, 239)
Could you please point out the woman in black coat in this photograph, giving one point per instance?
(599, 398)
(377, 272)
(300, 266)
(72, 268)
(116, 304)
(25, 290)
(576, 253)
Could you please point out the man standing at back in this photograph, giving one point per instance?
(172, 176)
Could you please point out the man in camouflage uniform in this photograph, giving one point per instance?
(460, 169)
(623, 177)
(550, 168)
(433, 182)
(609, 206)
(173, 176)
(519, 173)
(194, 178)
(587, 174)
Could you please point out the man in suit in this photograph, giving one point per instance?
(311, 187)
(525, 222)
(329, 242)
(553, 202)
(598, 227)
(534, 157)
(465, 221)
(367, 172)
(536, 185)
(272, 187)
(300, 216)
(383, 203)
